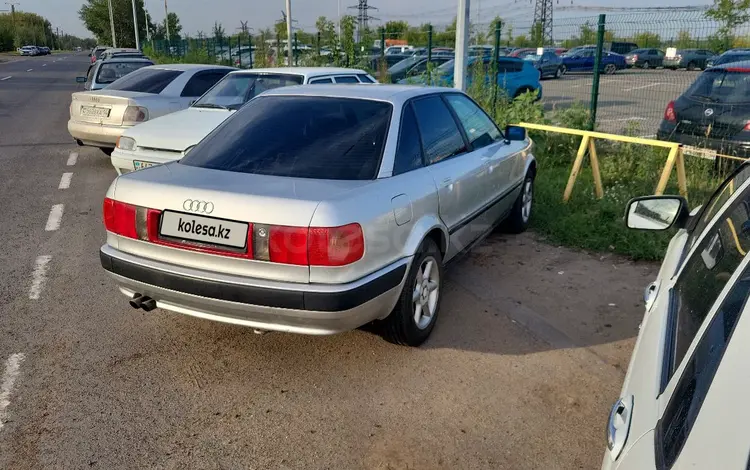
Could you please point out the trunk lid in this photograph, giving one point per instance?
(234, 197)
(103, 107)
(178, 131)
(708, 119)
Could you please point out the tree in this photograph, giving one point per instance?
(587, 34)
(496, 21)
(730, 13)
(684, 40)
(327, 30)
(647, 39)
(174, 28)
(348, 26)
(537, 35)
(522, 41)
(95, 16)
(396, 29)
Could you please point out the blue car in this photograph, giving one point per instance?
(516, 76)
(582, 60)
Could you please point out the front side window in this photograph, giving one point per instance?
(479, 128)
(364, 78)
(109, 72)
(300, 137)
(704, 276)
(321, 81)
(441, 138)
(150, 80)
(690, 392)
(347, 79)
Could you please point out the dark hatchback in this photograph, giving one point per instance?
(714, 113)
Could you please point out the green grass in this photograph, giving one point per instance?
(628, 171)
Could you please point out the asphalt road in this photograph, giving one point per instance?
(630, 101)
(520, 372)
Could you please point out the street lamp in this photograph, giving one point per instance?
(112, 24)
(135, 27)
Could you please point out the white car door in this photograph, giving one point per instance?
(675, 357)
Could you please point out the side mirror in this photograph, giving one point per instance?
(656, 212)
(81, 79)
(514, 134)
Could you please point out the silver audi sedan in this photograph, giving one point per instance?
(318, 209)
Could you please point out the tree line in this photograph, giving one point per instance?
(22, 28)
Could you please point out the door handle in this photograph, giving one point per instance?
(446, 181)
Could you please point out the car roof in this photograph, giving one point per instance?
(391, 93)
(126, 59)
(740, 64)
(185, 67)
(305, 71)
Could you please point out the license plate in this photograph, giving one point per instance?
(93, 111)
(139, 165)
(203, 229)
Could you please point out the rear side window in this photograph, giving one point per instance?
(146, 80)
(409, 149)
(320, 81)
(347, 80)
(201, 82)
(441, 138)
(299, 136)
(684, 406)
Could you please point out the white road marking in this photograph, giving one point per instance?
(12, 368)
(39, 276)
(73, 158)
(65, 181)
(632, 118)
(55, 218)
(30, 70)
(6, 78)
(44, 65)
(644, 86)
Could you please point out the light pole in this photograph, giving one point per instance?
(166, 21)
(288, 30)
(13, 18)
(135, 27)
(112, 24)
(462, 40)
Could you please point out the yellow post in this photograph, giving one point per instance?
(667, 171)
(595, 169)
(681, 175)
(576, 167)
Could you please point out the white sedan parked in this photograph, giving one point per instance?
(98, 118)
(681, 406)
(170, 137)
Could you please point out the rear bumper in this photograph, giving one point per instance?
(95, 135)
(293, 308)
(734, 148)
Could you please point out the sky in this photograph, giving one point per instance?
(199, 15)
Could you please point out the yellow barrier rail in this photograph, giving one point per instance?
(675, 157)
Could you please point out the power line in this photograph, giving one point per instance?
(363, 17)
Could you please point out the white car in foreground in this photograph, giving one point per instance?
(170, 137)
(681, 406)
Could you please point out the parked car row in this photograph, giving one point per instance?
(34, 50)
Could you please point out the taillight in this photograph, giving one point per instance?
(335, 246)
(119, 218)
(669, 114)
(134, 114)
(747, 126)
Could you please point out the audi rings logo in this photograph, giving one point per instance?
(202, 207)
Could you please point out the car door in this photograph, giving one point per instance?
(458, 173)
(662, 389)
(503, 160)
(200, 83)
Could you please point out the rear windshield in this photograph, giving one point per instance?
(146, 80)
(721, 86)
(299, 136)
(98, 52)
(112, 71)
(237, 89)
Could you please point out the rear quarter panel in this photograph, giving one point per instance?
(412, 195)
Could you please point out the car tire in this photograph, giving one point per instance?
(564, 69)
(520, 215)
(408, 325)
(558, 72)
(691, 66)
(610, 69)
(521, 91)
(646, 65)
(107, 152)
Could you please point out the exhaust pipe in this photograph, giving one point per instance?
(142, 301)
(137, 301)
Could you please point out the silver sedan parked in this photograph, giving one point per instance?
(320, 209)
(98, 118)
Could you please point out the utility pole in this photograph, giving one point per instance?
(166, 20)
(288, 30)
(363, 17)
(462, 40)
(13, 19)
(543, 21)
(112, 24)
(135, 27)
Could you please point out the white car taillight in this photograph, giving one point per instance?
(125, 143)
(134, 115)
